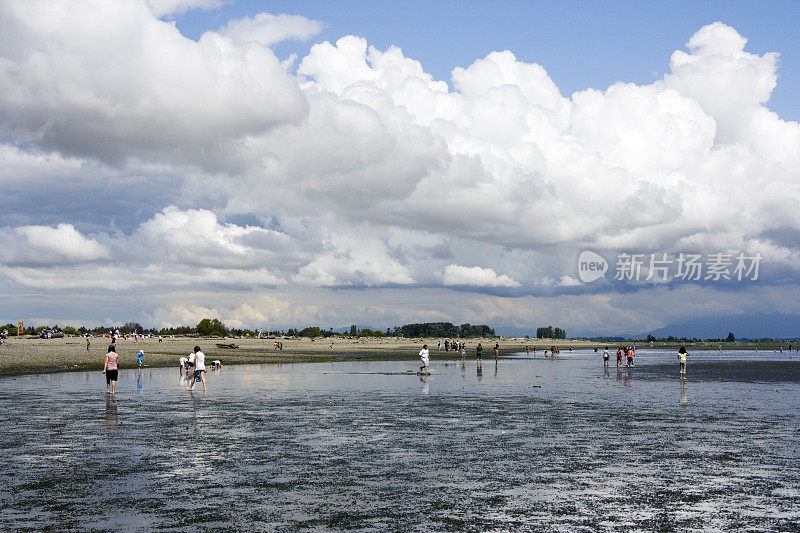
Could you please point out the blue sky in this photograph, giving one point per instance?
(582, 44)
(165, 165)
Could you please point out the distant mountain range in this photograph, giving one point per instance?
(757, 326)
(773, 325)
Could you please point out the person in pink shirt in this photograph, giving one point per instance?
(111, 370)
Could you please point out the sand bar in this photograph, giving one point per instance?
(30, 356)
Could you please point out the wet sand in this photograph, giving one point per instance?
(30, 356)
(528, 444)
(743, 371)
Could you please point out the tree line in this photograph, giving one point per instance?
(213, 327)
(549, 332)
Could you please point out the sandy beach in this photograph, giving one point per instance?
(30, 356)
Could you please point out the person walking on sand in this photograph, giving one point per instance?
(496, 349)
(111, 370)
(424, 356)
(619, 357)
(682, 353)
(87, 343)
(605, 357)
(479, 352)
(199, 369)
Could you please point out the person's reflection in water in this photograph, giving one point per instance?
(111, 416)
(198, 403)
(495, 368)
(684, 400)
(629, 380)
(139, 380)
(480, 370)
(463, 369)
(425, 385)
(605, 372)
(619, 374)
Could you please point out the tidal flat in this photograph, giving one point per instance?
(526, 443)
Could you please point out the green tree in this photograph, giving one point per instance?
(311, 332)
(731, 337)
(211, 328)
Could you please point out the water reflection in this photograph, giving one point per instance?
(293, 447)
(198, 408)
(683, 400)
(111, 415)
(426, 388)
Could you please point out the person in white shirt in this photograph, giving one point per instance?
(199, 368)
(190, 365)
(424, 355)
(182, 367)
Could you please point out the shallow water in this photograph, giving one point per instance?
(528, 444)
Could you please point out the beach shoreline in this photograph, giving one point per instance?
(21, 356)
(69, 354)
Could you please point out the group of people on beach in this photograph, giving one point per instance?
(193, 366)
(424, 353)
(451, 345)
(629, 352)
(111, 366)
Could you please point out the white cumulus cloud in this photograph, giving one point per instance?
(476, 276)
(267, 29)
(208, 165)
(161, 8)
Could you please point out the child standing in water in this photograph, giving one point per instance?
(424, 356)
(682, 353)
(140, 358)
(111, 370)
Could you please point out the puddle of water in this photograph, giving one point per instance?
(524, 444)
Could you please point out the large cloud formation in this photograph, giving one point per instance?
(211, 170)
